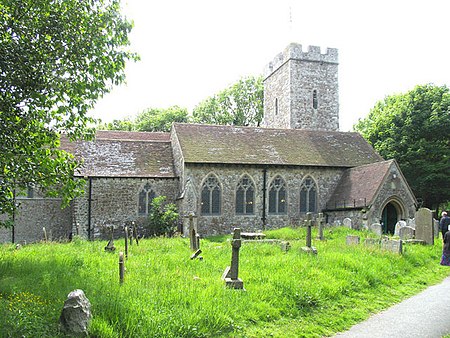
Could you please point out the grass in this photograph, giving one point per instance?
(166, 294)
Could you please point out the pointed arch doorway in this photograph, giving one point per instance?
(392, 213)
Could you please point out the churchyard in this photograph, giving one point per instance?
(166, 292)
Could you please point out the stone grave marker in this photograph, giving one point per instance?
(309, 248)
(352, 240)
(424, 225)
(392, 245)
(285, 246)
(376, 228)
(76, 314)
(347, 222)
(193, 240)
(398, 226)
(406, 233)
(436, 228)
(371, 241)
(231, 272)
(320, 223)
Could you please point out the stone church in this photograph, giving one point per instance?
(226, 176)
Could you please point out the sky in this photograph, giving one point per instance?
(192, 49)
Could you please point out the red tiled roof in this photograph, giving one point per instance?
(251, 145)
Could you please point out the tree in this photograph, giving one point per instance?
(413, 128)
(155, 119)
(163, 217)
(241, 104)
(57, 57)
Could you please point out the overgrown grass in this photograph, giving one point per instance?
(166, 294)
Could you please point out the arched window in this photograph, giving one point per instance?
(146, 196)
(245, 196)
(308, 195)
(211, 196)
(315, 99)
(277, 196)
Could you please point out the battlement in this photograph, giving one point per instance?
(295, 52)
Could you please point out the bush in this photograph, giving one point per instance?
(163, 217)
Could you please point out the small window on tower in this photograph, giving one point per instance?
(276, 106)
(315, 100)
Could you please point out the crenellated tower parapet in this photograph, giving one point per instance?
(301, 89)
(295, 51)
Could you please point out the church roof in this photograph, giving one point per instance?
(124, 154)
(264, 146)
(358, 186)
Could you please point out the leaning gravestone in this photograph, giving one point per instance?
(76, 314)
(424, 225)
(352, 240)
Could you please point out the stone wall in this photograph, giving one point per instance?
(115, 202)
(34, 214)
(325, 178)
(290, 81)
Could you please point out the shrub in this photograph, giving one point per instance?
(163, 217)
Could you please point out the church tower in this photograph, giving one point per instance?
(301, 89)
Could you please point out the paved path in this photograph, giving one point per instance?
(426, 315)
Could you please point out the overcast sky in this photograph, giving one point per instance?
(192, 49)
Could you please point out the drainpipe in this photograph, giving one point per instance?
(264, 191)
(89, 208)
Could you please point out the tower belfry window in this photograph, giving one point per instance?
(315, 99)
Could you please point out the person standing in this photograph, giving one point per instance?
(444, 223)
(445, 259)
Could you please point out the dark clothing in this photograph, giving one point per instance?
(444, 224)
(445, 260)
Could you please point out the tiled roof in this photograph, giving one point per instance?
(359, 185)
(251, 145)
(124, 154)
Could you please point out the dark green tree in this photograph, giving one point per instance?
(414, 129)
(241, 104)
(57, 57)
(155, 119)
(163, 217)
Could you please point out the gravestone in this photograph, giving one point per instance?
(376, 228)
(436, 228)
(231, 272)
(392, 245)
(252, 235)
(76, 314)
(352, 240)
(371, 241)
(406, 232)
(424, 225)
(309, 248)
(320, 222)
(285, 246)
(347, 222)
(194, 241)
(398, 226)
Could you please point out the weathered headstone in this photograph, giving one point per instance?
(320, 222)
(436, 228)
(398, 226)
(392, 245)
(231, 273)
(121, 268)
(76, 314)
(406, 232)
(309, 248)
(252, 235)
(347, 222)
(194, 242)
(371, 241)
(352, 240)
(424, 225)
(376, 228)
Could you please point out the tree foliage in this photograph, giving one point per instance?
(154, 119)
(414, 129)
(163, 217)
(57, 57)
(241, 104)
